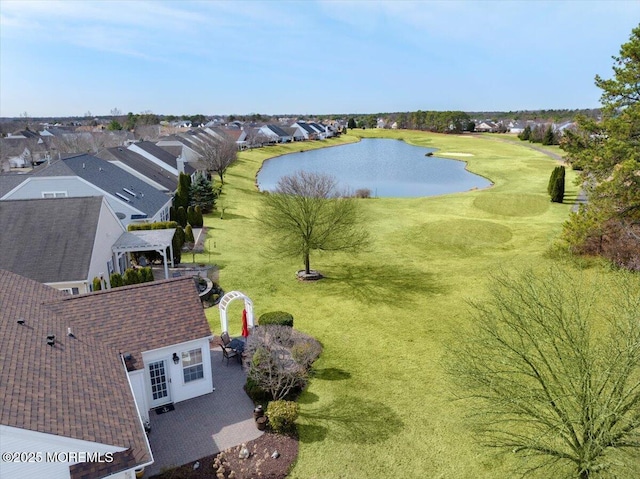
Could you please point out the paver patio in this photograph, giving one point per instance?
(204, 425)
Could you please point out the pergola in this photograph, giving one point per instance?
(224, 302)
(145, 240)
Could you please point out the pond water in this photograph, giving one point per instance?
(389, 168)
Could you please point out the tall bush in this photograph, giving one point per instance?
(198, 220)
(97, 284)
(182, 216)
(557, 195)
(188, 235)
(146, 275)
(131, 276)
(116, 280)
(191, 212)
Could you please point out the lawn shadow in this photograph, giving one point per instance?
(331, 374)
(367, 283)
(353, 420)
(308, 398)
(309, 433)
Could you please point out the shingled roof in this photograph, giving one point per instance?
(170, 308)
(77, 388)
(49, 240)
(109, 178)
(142, 165)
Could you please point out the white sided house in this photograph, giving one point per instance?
(133, 200)
(97, 364)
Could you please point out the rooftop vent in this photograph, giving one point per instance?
(121, 196)
(51, 337)
(20, 321)
(130, 192)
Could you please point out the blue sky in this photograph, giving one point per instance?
(63, 58)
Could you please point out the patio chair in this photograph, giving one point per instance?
(225, 338)
(228, 353)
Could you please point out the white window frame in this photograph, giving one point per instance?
(71, 290)
(54, 194)
(190, 366)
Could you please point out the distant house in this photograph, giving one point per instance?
(81, 373)
(132, 199)
(162, 158)
(275, 134)
(487, 126)
(381, 123)
(516, 127)
(306, 130)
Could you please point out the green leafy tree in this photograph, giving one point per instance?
(306, 212)
(202, 195)
(551, 375)
(608, 153)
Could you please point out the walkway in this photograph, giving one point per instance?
(205, 425)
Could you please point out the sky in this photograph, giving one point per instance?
(66, 58)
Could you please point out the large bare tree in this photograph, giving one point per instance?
(551, 373)
(307, 212)
(217, 155)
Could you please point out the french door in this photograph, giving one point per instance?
(160, 393)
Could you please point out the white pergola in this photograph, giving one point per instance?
(224, 302)
(145, 240)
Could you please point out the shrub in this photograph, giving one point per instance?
(198, 220)
(182, 216)
(255, 392)
(97, 285)
(282, 415)
(191, 215)
(363, 193)
(131, 276)
(116, 280)
(552, 179)
(188, 235)
(276, 317)
(557, 195)
(146, 275)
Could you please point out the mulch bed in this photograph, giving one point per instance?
(228, 465)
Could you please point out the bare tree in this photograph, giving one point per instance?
(307, 212)
(279, 358)
(553, 375)
(217, 155)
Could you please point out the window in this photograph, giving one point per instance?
(192, 367)
(54, 194)
(71, 290)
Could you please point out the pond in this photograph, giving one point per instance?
(388, 168)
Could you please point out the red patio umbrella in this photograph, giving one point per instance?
(245, 329)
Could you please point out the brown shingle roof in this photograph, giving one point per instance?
(125, 317)
(78, 388)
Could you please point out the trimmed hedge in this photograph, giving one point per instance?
(276, 317)
(282, 415)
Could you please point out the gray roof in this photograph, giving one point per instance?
(163, 155)
(318, 127)
(49, 240)
(306, 127)
(277, 130)
(111, 179)
(142, 165)
(10, 181)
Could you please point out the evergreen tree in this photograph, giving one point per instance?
(202, 194)
(608, 153)
(351, 123)
(552, 179)
(525, 134)
(549, 137)
(182, 194)
(177, 243)
(191, 212)
(182, 216)
(199, 221)
(557, 194)
(188, 235)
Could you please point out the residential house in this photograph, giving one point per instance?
(132, 199)
(486, 126)
(307, 131)
(275, 134)
(81, 373)
(162, 158)
(61, 242)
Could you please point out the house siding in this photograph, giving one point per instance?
(23, 440)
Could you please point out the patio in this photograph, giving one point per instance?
(204, 425)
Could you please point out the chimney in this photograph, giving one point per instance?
(180, 164)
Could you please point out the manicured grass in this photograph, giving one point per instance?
(380, 404)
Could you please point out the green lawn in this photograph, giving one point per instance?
(379, 405)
